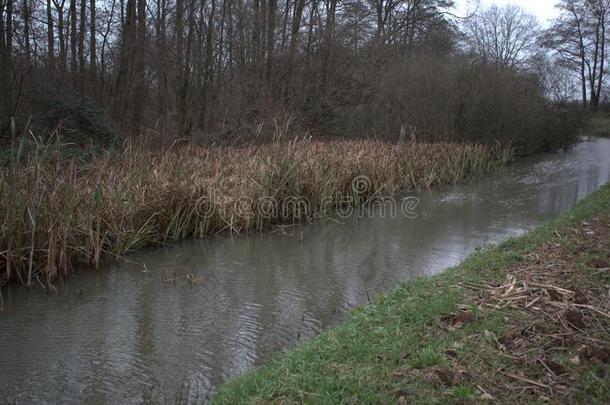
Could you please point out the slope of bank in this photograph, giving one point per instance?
(526, 321)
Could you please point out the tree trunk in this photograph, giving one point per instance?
(92, 47)
(179, 33)
(271, 36)
(81, 36)
(328, 41)
(186, 122)
(180, 65)
(161, 44)
(125, 72)
(61, 34)
(8, 44)
(50, 37)
(26, 30)
(254, 46)
(73, 41)
(296, 25)
(380, 20)
(209, 67)
(139, 76)
(122, 12)
(600, 80)
(2, 41)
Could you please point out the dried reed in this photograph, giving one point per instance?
(58, 214)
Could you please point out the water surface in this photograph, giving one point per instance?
(124, 335)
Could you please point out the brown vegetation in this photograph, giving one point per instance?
(558, 315)
(57, 213)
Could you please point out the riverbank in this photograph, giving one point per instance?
(527, 321)
(59, 214)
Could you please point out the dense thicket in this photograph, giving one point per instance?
(227, 69)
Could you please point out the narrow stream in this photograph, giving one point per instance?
(124, 335)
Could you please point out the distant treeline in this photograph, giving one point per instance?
(224, 70)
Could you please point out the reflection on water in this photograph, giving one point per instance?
(125, 335)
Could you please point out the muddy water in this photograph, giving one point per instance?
(125, 335)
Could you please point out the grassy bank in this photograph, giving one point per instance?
(57, 213)
(527, 321)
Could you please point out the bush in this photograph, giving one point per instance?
(53, 110)
(450, 98)
(77, 117)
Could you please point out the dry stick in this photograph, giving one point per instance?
(589, 307)
(527, 380)
(605, 342)
(552, 287)
(98, 244)
(32, 215)
(483, 391)
(547, 368)
(13, 186)
(31, 264)
(520, 297)
(532, 302)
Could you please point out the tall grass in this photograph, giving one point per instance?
(57, 214)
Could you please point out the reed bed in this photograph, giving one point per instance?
(57, 214)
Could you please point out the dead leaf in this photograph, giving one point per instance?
(401, 373)
(580, 297)
(599, 264)
(553, 366)
(440, 376)
(598, 354)
(458, 319)
(575, 319)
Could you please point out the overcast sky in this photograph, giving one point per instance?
(543, 9)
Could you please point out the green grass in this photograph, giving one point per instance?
(383, 352)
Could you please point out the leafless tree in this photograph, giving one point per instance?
(505, 36)
(222, 68)
(578, 38)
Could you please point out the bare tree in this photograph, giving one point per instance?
(222, 68)
(505, 36)
(578, 38)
